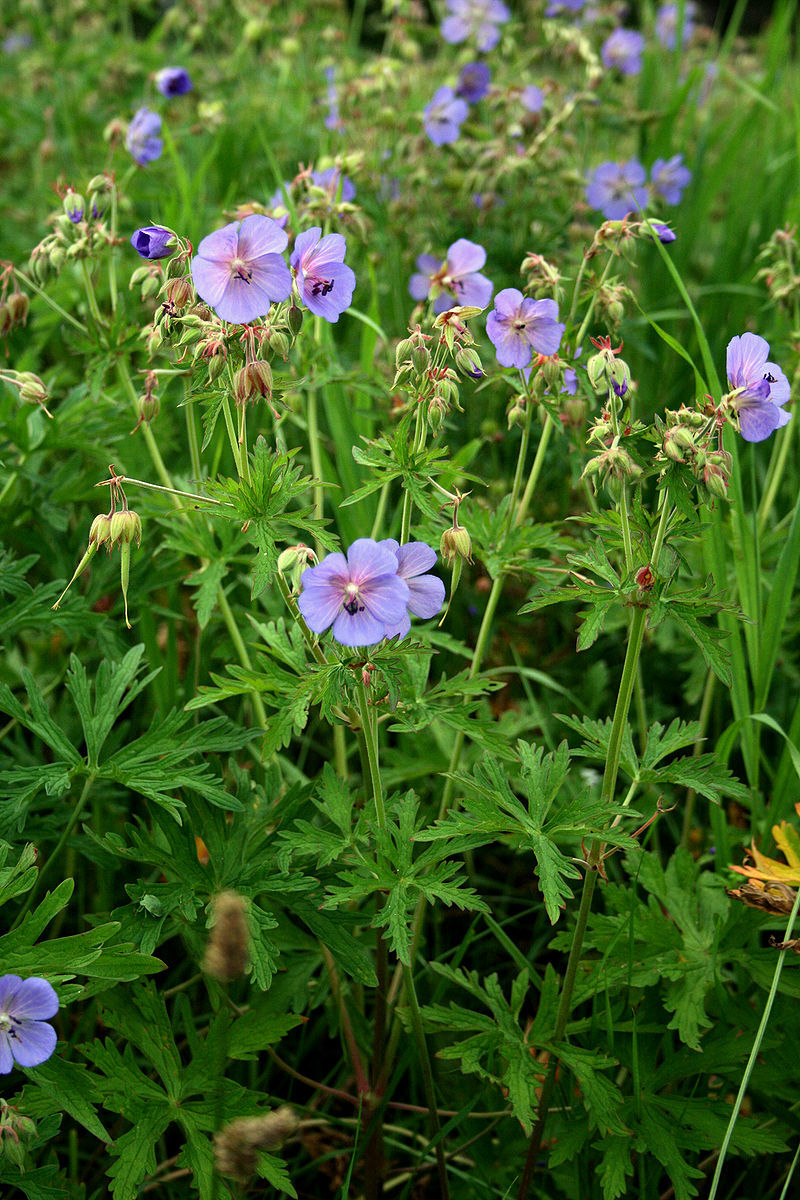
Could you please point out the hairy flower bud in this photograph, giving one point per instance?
(228, 949)
(251, 380)
(237, 1145)
(294, 560)
(294, 319)
(126, 527)
(17, 305)
(468, 362)
(179, 291)
(100, 530)
(402, 351)
(420, 357)
(279, 344)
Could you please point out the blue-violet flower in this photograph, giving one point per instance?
(473, 82)
(475, 18)
(153, 241)
(238, 270)
(761, 387)
(667, 19)
(444, 116)
(326, 284)
(414, 560)
(142, 140)
(617, 188)
(623, 49)
(518, 325)
(25, 1036)
(669, 177)
(328, 180)
(173, 81)
(360, 595)
(455, 281)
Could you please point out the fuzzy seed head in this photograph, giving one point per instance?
(228, 950)
(237, 1145)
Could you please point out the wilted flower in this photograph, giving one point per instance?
(153, 241)
(518, 325)
(25, 1007)
(173, 81)
(617, 188)
(623, 49)
(667, 19)
(142, 140)
(473, 82)
(474, 18)
(761, 387)
(456, 280)
(669, 177)
(238, 270)
(329, 180)
(325, 282)
(444, 116)
(414, 559)
(361, 595)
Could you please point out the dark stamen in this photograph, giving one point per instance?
(322, 286)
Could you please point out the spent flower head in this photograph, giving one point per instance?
(326, 284)
(761, 388)
(238, 270)
(361, 595)
(142, 139)
(25, 1007)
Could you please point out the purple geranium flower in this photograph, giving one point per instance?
(558, 8)
(142, 140)
(444, 116)
(669, 177)
(663, 232)
(25, 1036)
(761, 387)
(518, 325)
(623, 49)
(329, 181)
(414, 559)
(238, 270)
(360, 596)
(173, 81)
(326, 284)
(475, 18)
(617, 188)
(455, 281)
(473, 82)
(667, 19)
(532, 98)
(153, 241)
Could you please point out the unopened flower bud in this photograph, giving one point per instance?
(551, 370)
(228, 949)
(126, 527)
(5, 319)
(468, 362)
(294, 319)
(516, 414)
(420, 357)
(279, 344)
(456, 543)
(403, 351)
(17, 305)
(31, 388)
(179, 291)
(98, 184)
(671, 448)
(251, 380)
(216, 365)
(437, 410)
(73, 204)
(100, 530)
(149, 407)
(293, 562)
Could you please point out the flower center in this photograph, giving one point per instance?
(321, 287)
(350, 603)
(241, 269)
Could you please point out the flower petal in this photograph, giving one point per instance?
(6, 1057)
(367, 559)
(464, 257)
(414, 558)
(34, 1043)
(260, 235)
(427, 595)
(386, 598)
(35, 999)
(357, 629)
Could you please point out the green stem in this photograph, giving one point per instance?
(427, 1079)
(315, 451)
(408, 503)
(536, 470)
(521, 456)
(62, 312)
(192, 436)
(112, 251)
(371, 743)
(147, 433)
(55, 853)
(91, 297)
(751, 1062)
(241, 653)
(233, 437)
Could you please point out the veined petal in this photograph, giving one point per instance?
(210, 279)
(319, 606)
(745, 359)
(304, 244)
(419, 287)
(357, 629)
(427, 595)
(330, 249)
(328, 302)
(34, 999)
(386, 598)
(400, 629)
(220, 246)
(259, 235)
(270, 275)
(6, 1057)
(464, 257)
(34, 1043)
(780, 389)
(759, 419)
(367, 559)
(414, 558)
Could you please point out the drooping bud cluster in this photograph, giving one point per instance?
(690, 439)
(237, 1145)
(542, 279)
(30, 388)
(781, 269)
(13, 305)
(606, 370)
(78, 229)
(15, 1131)
(293, 561)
